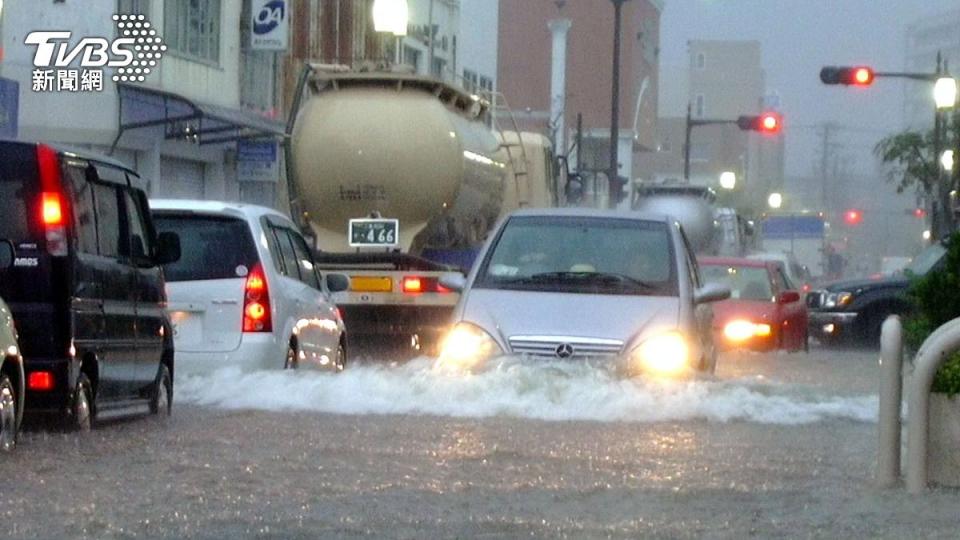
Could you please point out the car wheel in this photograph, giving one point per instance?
(8, 415)
(291, 361)
(81, 411)
(162, 402)
(341, 362)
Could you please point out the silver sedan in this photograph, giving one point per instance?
(578, 284)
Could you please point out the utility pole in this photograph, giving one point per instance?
(614, 174)
(826, 150)
(432, 35)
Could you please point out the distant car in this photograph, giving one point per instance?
(763, 312)
(11, 368)
(85, 288)
(578, 284)
(798, 275)
(246, 292)
(852, 311)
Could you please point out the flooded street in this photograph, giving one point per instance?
(775, 447)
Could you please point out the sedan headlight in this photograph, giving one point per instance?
(666, 354)
(837, 299)
(467, 345)
(741, 330)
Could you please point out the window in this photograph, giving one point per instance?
(439, 64)
(411, 57)
(486, 84)
(211, 247)
(133, 7)
(192, 28)
(108, 219)
(701, 61)
(469, 80)
(139, 240)
(84, 217)
(701, 107)
(289, 256)
(304, 260)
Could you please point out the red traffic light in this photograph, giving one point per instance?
(852, 217)
(769, 123)
(863, 76)
(855, 76)
(919, 213)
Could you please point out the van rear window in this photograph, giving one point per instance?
(19, 188)
(211, 247)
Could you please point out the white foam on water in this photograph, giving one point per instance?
(546, 391)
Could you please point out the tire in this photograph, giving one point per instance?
(82, 410)
(341, 361)
(162, 401)
(291, 361)
(8, 415)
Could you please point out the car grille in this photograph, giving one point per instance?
(565, 347)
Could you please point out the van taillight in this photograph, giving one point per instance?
(52, 210)
(418, 284)
(256, 302)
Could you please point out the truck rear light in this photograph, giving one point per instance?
(418, 284)
(412, 285)
(52, 209)
(256, 302)
(40, 380)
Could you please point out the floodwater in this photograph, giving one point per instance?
(775, 446)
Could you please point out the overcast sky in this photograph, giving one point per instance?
(798, 38)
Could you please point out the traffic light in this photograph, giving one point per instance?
(919, 213)
(852, 217)
(769, 123)
(850, 76)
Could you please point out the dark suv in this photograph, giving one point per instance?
(85, 288)
(853, 311)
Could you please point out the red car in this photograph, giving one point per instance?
(765, 312)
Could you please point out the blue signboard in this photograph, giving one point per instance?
(257, 161)
(793, 227)
(9, 108)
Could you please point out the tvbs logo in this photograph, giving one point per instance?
(63, 67)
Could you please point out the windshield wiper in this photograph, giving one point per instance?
(603, 277)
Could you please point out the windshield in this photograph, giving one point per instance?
(926, 260)
(745, 282)
(582, 255)
(211, 247)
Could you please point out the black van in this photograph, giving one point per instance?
(86, 289)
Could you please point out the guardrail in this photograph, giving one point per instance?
(935, 350)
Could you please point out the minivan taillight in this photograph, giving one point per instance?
(256, 302)
(52, 210)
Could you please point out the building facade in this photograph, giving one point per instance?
(722, 80)
(524, 66)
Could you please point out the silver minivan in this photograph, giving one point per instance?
(581, 284)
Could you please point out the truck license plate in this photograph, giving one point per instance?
(374, 232)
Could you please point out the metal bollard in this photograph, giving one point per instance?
(891, 384)
(933, 353)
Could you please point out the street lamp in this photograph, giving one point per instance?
(616, 189)
(392, 16)
(945, 92)
(946, 160)
(728, 180)
(775, 200)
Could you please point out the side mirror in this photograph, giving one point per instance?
(168, 248)
(788, 297)
(6, 254)
(454, 282)
(337, 282)
(711, 292)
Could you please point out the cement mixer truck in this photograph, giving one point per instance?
(711, 230)
(398, 178)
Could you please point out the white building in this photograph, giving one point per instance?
(464, 41)
(180, 127)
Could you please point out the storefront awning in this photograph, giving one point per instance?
(190, 120)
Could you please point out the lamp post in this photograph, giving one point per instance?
(614, 175)
(392, 16)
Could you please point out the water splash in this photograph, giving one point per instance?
(546, 391)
